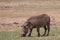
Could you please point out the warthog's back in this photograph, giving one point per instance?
(39, 20)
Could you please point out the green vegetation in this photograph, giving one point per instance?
(15, 35)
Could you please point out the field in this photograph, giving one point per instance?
(15, 35)
(20, 10)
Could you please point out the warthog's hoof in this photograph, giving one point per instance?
(29, 35)
(23, 35)
(43, 35)
(39, 35)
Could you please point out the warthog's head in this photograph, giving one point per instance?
(24, 29)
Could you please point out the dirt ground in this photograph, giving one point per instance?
(20, 16)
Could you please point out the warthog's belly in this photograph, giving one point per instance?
(38, 25)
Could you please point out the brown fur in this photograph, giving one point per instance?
(37, 22)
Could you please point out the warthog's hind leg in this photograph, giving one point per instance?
(45, 30)
(48, 27)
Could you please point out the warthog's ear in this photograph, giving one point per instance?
(25, 24)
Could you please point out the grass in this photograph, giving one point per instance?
(12, 35)
(25, 10)
(12, 15)
(32, 7)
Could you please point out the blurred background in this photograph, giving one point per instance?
(13, 13)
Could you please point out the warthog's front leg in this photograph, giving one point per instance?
(38, 32)
(30, 32)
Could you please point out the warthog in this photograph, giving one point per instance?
(39, 21)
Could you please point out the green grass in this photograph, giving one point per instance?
(12, 35)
